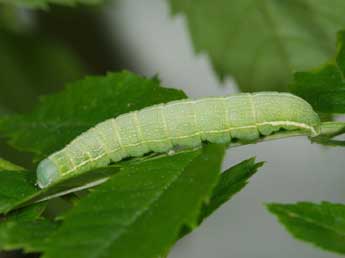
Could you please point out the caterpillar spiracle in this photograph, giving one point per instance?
(243, 118)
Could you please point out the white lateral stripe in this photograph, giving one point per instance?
(291, 123)
(273, 123)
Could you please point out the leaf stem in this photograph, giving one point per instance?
(330, 130)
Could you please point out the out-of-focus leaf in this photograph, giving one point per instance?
(45, 3)
(260, 43)
(324, 87)
(6, 165)
(31, 65)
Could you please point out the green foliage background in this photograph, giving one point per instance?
(261, 43)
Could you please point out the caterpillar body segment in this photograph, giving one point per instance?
(242, 118)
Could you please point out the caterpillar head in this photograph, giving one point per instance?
(47, 172)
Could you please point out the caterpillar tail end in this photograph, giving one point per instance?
(47, 173)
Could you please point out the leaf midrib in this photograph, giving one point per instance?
(308, 220)
(138, 215)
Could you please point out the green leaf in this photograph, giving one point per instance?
(61, 117)
(18, 188)
(16, 199)
(31, 213)
(321, 224)
(140, 211)
(26, 230)
(231, 182)
(28, 192)
(45, 3)
(6, 165)
(324, 87)
(32, 65)
(260, 43)
(14, 186)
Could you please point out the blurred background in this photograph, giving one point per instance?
(144, 37)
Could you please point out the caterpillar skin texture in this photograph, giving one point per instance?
(187, 123)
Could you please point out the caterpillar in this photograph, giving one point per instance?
(242, 118)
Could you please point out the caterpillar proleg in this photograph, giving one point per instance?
(243, 118)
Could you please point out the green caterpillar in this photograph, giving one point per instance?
(241, 118)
